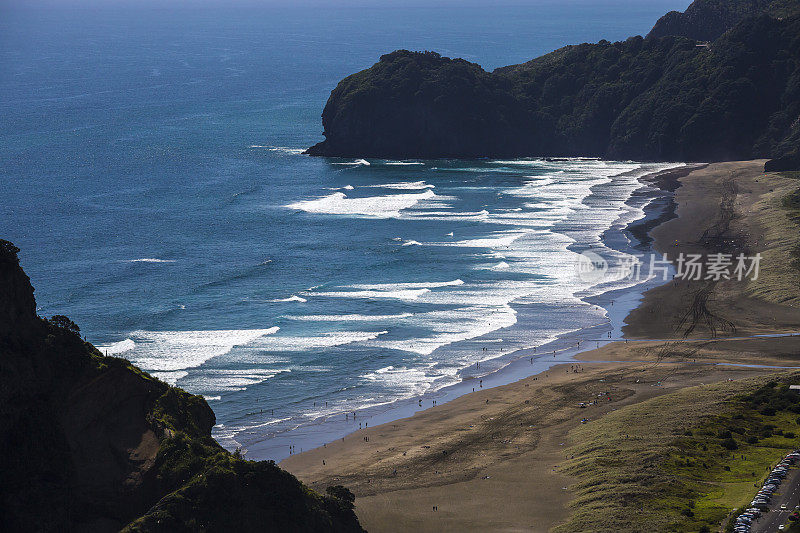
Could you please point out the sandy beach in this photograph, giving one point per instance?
(489, 460)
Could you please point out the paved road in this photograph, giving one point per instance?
(788, 493)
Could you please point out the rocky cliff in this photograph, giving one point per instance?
(705, 20)
(661, 98)
(92, 443)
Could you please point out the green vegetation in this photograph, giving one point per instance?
(683, 461)
(62, 322)
(92, 443)
(659, 98)
(219, 488)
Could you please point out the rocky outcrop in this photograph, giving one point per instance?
(783, 164)
(705, 20)
(421, 105)
(664, 98)
(18, 312)
(92, 443)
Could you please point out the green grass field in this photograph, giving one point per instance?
(683, 461)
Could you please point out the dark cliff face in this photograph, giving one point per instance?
(423, 105)
(705, 20)
(91, 443)
(18, 312)
(660, 98)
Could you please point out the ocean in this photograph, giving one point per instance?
(152, 175)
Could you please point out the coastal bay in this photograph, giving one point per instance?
(560, 295)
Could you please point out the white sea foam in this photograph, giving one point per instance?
(411, 285)
(451, 216)
(269, 423)
(403, 163)
(406, 185)
(355, 163)
(501, 240)
(225, 436)
(376, 206)
(520, 162)
(298, 344)
(348, 318)
(236, 380)
(454, 326)
(117, 348)
(401, 379)
(279, 149)
(151, 260)
(167, 351)
(292, 298)
(408, 294)
(502, 265)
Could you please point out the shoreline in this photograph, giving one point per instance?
(518, 364)
(464, 456)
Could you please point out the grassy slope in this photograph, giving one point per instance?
(664, 462)
(778, 214)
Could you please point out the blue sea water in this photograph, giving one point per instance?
(150, 172)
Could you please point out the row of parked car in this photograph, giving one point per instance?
(761, 502)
